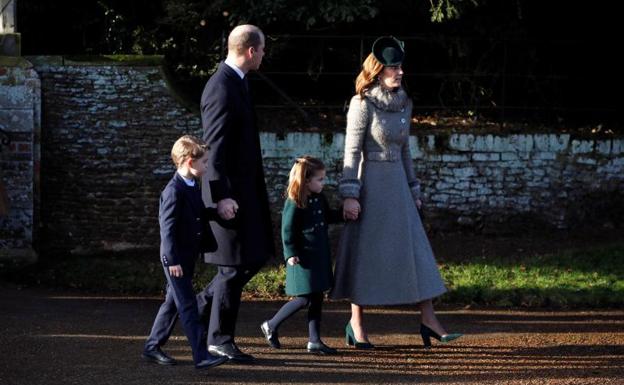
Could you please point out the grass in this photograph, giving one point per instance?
(594, 279)
(576, 279)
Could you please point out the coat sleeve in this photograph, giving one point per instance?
(291, 228)
(210, 213)
(217, 117)
(408, 165)
(331, 215)
(357, 124)
(168, 214)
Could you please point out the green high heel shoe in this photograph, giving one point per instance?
(351, 341)
(426, 333)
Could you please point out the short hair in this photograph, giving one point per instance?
(187, 146)
(244, 36)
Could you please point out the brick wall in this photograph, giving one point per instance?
(20, 119)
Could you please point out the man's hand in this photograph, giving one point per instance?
(292, 261)
(418, 204)
(176, 271)
(226, 208)
(351, 209)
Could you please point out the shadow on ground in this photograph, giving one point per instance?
(65, 338)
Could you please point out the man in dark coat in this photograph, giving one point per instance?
(235, 183)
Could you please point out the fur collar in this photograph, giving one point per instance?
(387, 100)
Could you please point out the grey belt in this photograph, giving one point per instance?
(383, 156)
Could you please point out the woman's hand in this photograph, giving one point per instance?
(292, 261)
(351, 209)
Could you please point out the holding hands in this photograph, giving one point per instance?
(227, 208)
(351, 209)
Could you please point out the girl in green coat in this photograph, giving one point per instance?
(306, 251)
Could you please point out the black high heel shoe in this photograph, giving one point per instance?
(351, 341)
(270, 335)
(426, 333)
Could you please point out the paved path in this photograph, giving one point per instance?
(52, 337)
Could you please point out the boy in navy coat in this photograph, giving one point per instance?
(184, 234)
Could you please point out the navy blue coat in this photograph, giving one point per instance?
(235, 171)
(184, 228)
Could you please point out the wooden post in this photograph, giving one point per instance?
(8, 19)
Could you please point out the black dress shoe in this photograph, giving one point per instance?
(231, 351)
(210, 362)
(320, 348)
(158, 356)
(270, 335)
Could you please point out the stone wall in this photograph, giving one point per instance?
(20, 121)
(108, 129)
(491, 182)
(107, 135)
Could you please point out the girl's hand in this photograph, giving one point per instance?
(351, 209)
(292, 261)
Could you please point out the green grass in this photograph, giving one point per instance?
(593, 278)
(576, 279)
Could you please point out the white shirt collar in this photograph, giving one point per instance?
(189, 182)
(235, 68)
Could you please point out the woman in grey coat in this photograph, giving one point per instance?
(384, 257)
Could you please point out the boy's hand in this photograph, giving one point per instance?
(226, 208)
(292, 261)
(176, 271)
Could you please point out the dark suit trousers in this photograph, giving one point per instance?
(222, 299)
(180, 299)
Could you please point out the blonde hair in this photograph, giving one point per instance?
(187, 146)
(370, 69)
(304, 168)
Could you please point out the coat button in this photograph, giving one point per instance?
(402, 120)
(319, 211)
(322, 223)
(402, 109)
(197, 219)
(198, 233)
(383, 120)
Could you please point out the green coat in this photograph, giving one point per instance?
(304, 234)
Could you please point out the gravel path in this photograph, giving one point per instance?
(53, 337)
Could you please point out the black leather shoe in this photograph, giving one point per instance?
(231, 351)
(320, 348)
(270, 335)
(210, 362)
(158, 356)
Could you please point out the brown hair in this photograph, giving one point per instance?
(370, 69)
(304, 168)
(187, 146)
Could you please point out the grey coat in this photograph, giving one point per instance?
(384, 258)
